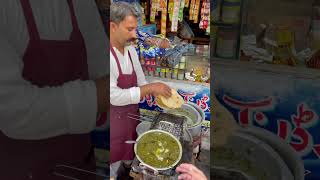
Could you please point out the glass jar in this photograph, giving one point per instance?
(151, 73)
(157, 72)
(177, 66)
(181, 74)
(226, 46)
(153, 62)
(168, 73)
(175, 74)
(182, 63)
(147, 62)
(163, 72)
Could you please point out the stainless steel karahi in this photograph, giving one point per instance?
(156, 170)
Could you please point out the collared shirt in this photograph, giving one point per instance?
(122, 97)
(29, 112)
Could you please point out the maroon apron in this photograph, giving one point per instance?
(48, 63)
(123, 128)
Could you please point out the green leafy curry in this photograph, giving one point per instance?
(158, 149)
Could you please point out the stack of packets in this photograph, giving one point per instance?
(144, 49)
(154, 9)
(175, 16)
(174, 55)
(182, 4)
(159, 5)
(170, 9)
(164, 17)
(175, 11)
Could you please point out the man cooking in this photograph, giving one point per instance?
(54, 63)
(127, 81)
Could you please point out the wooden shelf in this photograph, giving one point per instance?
(222, 24)
(297, 71)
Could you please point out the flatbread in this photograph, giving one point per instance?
(160, 104)
(173, 102)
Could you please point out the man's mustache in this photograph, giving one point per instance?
(132, 39)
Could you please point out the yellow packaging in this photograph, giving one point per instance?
(191, 10)
(164, 12)
(186, 3)
(170, 9)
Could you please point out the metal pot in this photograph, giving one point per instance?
(143, 127)
(143, 164)
(222, 173)
(290, 157)
(256, 145)
(195, 129)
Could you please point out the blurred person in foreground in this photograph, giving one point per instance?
(53, 86)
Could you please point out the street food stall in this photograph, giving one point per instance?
(171, 133)
(265, 96)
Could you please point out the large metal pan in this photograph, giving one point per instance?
(155, 169)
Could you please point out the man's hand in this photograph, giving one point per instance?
(161, 89)
(103, 93)
(161, 43)
(164, 44)
(190, 172)
(155, 89)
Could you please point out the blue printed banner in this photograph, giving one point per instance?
(287, 106)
